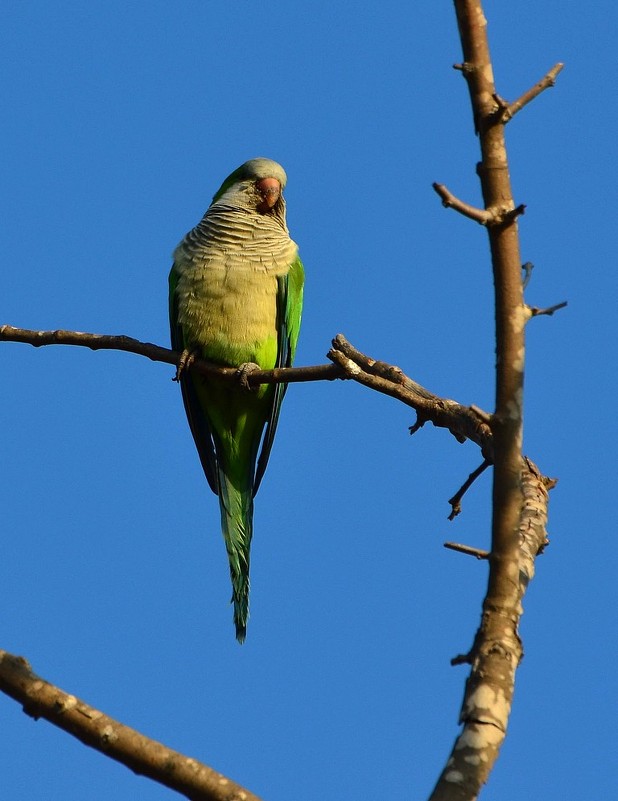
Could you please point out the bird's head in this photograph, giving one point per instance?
(257, 185)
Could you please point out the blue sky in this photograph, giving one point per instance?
(121, 120)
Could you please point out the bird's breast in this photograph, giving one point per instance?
(228, 267)
(228, 311)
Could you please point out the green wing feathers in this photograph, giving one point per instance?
(289, 312)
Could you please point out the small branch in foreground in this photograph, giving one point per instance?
(144, 756)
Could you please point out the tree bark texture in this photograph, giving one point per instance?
(519, 494)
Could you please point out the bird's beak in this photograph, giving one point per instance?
(270, 192)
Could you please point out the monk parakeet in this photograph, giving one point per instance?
(236, 292)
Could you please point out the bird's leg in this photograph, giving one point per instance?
(243, 373)
(186, 359)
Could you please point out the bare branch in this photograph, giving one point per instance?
(484, 714)
(500, 214)
(536, 312)
(449, 200)
(156, 353)
(462, 421)
(509, 214)
(509, 110)
(143, 756)
(519, 491)
(527, 269)
(348, 363)
(479, 553)
(455, 501)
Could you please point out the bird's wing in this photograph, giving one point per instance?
(196, 414)
(289, 311)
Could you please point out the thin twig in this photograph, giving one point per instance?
(535, 311)
(546, 82)
(455, 501)
(494, 215)
(527, 269)
(479, 553)
(449, 200)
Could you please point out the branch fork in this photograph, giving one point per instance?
(506, 111)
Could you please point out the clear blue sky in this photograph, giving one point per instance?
(120, 121)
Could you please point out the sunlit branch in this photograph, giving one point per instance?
(455, 501)
(478, 553)
(519, 497)
(347, 363)
(508, 110)
(157, 353)
(143, 756)
(535, 311)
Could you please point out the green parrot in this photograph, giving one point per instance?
(236, 294)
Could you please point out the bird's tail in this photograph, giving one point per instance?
(236, 504)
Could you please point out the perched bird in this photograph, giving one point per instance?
(236, 293)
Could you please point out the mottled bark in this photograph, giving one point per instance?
(519, 491)
(146, 757)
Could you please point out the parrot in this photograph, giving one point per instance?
(235, 300)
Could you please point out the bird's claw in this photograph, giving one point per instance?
(186, 359)
(243, 373)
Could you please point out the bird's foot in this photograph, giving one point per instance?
(243, 373)
(187, 357)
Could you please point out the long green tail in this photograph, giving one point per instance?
(236, 505)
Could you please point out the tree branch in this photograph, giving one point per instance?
(479, 553)
(450, 201)
(156, 353)
(509, 110)
(492, 215)
(348, 363)
(455, 501)
(535, 311)
(519, 491)
(464, 422)
(143, 756)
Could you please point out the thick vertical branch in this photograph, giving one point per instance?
(497, 650)
(509, 307)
